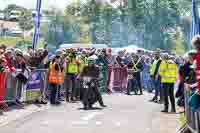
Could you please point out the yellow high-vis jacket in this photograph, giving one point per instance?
(168, 71)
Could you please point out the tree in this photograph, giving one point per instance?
(179, 46)
(149, 22)
(63, 28)
(25, 20)
(154, 19)
(9, 9)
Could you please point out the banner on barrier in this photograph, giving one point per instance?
(10, 88)
(34, 85)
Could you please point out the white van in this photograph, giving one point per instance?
(14, 15)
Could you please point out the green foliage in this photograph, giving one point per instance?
(9, 9)
(9, 41)
(179, 46)
(19, 42)
(152, 21)
(23, 43)
(25, 20)
(63, 28)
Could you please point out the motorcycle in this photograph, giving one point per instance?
(89, 96)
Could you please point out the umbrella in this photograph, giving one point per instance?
(99, 46)
(74, 45)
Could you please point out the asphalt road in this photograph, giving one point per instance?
(124, 114)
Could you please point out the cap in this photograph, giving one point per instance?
(26, 55)
(165, 55)
(59, 52)
(8, 51)
(52, 57)
(18, 52)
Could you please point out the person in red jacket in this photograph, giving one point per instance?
(196, 44)
(3, 71)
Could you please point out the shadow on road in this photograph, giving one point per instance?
(94, 108)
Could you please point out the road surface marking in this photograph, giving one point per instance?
(118, 124)
(90, 116)
(148, 130)
(98, 123)
(45, 123)
(79, 123)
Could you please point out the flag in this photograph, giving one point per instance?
(195, 19)
(37, 24)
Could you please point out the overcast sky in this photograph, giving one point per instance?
(32, 3)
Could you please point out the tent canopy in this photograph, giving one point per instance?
(82, 45)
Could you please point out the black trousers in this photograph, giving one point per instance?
(87, 94)
(138, 80)
(168, 90)
(70, 85)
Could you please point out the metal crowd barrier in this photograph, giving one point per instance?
(12, 89)
(118, 78)
(193, 118)
(103, 79)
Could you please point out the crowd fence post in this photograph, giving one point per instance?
(192, 118)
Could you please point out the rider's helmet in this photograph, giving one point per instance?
(92, 60)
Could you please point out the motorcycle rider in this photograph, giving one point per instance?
(92, 71)
(83, 62)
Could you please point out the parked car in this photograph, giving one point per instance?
(14, 15)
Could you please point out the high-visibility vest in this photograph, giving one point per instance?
(83, 63)
(168, 72)
(72, 67)
(153, 68)
(50, 65)
(55, 77)
(135, 68)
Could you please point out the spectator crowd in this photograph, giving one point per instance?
(158, 72)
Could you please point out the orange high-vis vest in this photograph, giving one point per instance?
(55, 77)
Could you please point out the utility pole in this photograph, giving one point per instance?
(121, 23)
(37, 24)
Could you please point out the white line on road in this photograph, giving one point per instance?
(79, 123)
(98, 123)
(90, 116)
(45, 123)
(118, 124)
